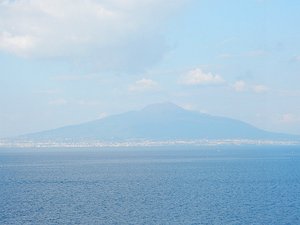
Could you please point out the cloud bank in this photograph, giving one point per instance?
(122, 34)
(144, 85)
(242, 86)
(199, 77)
(289, 118)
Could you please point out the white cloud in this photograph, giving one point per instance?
(199, 77)
(188, 106)
(102, 115)
(289, 118)
(17, 44)
(192, 107)
(114, 33)
(260, 88)
(143, 85)
(240, 86)
(296, 58)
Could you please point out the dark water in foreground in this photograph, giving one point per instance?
(151, 186)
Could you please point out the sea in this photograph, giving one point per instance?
(151, 185)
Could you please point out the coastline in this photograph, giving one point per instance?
(142, 143)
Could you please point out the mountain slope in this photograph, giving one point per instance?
(164, 121)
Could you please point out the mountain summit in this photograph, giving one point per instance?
(164, 121)
(163, 108)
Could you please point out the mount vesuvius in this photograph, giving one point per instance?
(164, 121)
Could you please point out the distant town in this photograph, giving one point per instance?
(4, 143)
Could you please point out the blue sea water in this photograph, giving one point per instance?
(182, 185)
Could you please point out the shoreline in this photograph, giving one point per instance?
(143, 143)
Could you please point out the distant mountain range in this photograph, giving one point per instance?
(165, 121)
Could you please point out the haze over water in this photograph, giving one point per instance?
(180, 185)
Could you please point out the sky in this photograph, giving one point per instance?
(66, 62)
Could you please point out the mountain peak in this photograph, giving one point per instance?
(162, 107)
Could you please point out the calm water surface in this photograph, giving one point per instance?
(217, 185)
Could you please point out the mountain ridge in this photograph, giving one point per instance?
(161, 121)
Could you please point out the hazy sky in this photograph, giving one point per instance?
(70, 61)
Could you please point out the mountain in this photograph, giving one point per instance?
(165, 121)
